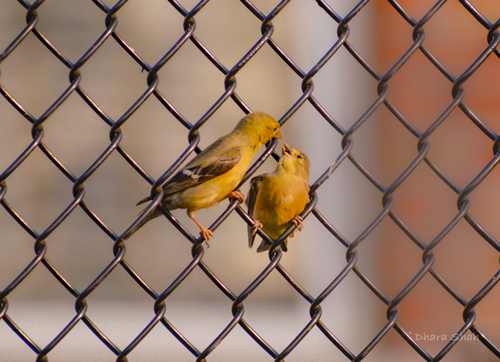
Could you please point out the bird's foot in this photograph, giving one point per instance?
(207, 234)
(236, 195)
(256, 227)
(297, 220)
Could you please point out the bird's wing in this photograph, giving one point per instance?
(252, 196)
(200, 170)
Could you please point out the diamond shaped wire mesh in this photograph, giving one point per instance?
(147, 76)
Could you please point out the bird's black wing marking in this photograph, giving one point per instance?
(189, 177)
(195, 175)
(252, 197)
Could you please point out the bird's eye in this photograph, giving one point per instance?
(275, 129)
(299, 157)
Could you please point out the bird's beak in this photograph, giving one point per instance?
(285, 149)
(277, 134)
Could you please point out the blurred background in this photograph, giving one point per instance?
(39, 192)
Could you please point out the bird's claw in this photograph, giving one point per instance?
(207, 234)
(256, 227)
(297, 220)
(236, 195)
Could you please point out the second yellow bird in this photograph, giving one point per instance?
(275, 200)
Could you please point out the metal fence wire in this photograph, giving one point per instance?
(468, 321)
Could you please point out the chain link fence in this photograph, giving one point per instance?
(396, 103)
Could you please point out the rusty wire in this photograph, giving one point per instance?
(275, 254)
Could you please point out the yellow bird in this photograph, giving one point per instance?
(275, 200)
(215, 172)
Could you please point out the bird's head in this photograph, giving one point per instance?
(261, 125)
(295, 162)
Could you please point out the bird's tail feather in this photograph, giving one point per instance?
(264, 245)
(143, 201)
(153, 214)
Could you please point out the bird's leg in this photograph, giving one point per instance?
(236, 195)
(207, 234)
(297, 220)
(256, 227)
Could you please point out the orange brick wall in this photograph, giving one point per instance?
(458, 147)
